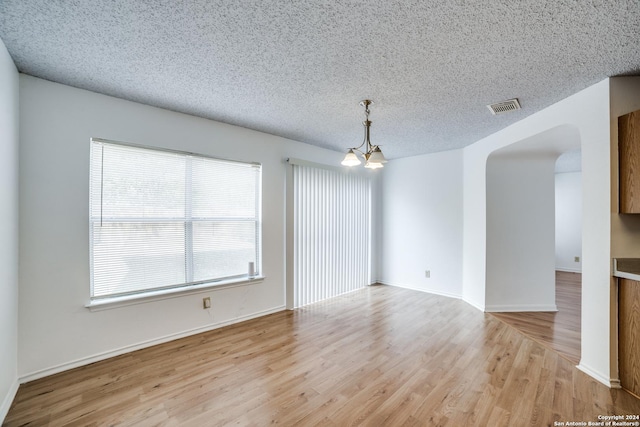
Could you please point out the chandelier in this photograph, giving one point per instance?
(373, 157)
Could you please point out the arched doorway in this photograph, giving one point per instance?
(521, 216)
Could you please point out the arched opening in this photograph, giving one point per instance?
(521, 259)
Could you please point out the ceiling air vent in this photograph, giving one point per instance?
(504, 106)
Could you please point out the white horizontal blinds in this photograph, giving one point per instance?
(163, 219)
(225, 215)
(137, 224)
(332, 233)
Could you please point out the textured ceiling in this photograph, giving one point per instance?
(299, 68)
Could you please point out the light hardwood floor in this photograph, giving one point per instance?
(380, 356)
(559, 330)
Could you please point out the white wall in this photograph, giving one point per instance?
(56, 331)
(568, 189)
(588, 113)
(421, 223)
(8, 231)
(520, 232)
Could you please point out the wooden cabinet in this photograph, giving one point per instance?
(629, 334)
(629, 162)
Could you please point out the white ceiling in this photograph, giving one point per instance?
(299, 68)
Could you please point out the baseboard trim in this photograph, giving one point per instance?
(8, 399)
(609, 382)
(428, 291)
(569, 270)
(519, 307)
(474, 304)
(149, 343)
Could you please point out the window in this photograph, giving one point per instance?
(164, 219)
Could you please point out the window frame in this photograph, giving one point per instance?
(190, 286)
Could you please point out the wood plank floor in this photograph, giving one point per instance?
(559, 330)
(380, 356)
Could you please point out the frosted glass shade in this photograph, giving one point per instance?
(350, 159)
(377, 156)
(373, 165)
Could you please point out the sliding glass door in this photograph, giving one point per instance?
(332, 229)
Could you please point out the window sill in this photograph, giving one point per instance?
(123, 301)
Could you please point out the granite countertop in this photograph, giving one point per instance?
(627, 268)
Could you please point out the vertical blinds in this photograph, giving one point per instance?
(162, 219)
(332, 226)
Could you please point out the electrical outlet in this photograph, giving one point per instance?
(427, 274)
(206, 303)
(576, 259)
